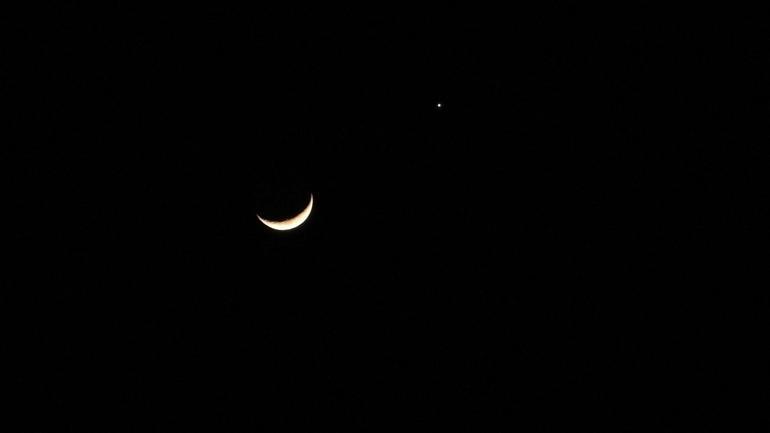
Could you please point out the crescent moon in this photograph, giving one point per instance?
(292, 222)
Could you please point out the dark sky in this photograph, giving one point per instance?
(559, 245)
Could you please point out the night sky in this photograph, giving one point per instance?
(565, 244)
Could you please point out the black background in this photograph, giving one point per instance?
(570, 240)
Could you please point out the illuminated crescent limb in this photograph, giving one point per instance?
(290, 223)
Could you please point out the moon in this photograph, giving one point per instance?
(292, 222)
